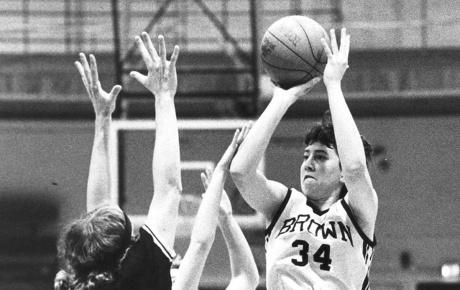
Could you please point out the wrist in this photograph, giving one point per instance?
(333, 85)
(103, 116)
(163, 95)
(282, 101)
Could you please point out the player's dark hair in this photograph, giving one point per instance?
(93, 248)
(324, 133)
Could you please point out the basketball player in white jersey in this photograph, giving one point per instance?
(322, 237)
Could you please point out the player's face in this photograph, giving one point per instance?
(320, 173)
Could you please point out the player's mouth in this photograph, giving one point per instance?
(308, 177)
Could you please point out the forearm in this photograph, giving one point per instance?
(349, 143)
(202, 237)
(98, 187)
(241, 259)
(166, 157)
(191, 268)
(260, 193)
(205, 225)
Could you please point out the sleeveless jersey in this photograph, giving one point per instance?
(147, 265)
(312, 250)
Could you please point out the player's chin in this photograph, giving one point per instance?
(304, 188)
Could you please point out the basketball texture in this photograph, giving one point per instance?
(292, 52)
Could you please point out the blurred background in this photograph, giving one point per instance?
(403, 87)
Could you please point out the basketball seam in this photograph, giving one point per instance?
(288, 69)
(318, 62)
(311, 49)
(294, 51)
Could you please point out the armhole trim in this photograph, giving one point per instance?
(278, 213)
(169, 253)
(356, 225)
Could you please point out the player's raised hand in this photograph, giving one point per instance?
(238, 137)
(103, 102)
(162, 76)
(293, 94)
(337, 58)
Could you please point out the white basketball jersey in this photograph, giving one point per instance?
(311, 250)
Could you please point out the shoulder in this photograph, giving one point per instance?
(148, 263)
(154, 244)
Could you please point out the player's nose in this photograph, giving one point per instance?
(308, 164)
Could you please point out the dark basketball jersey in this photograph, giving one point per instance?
(307, 249)
(147, 265)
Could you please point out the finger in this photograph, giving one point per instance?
(315, 81)
(334, 46)
(162, 50)
(326, 48)
(236, 138)
(81, 70)
(150, 47)
(95, 85)
(343, 36)
(209, 172)
(144, 53)
(85, 65)
(250, 123)
(310, 84)
(302, 89)
(139, 77)
(347, 46)
(174, 57)
(115, 91)
(245, 131)
(204, 180)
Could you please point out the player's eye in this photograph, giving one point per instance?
(320, 157)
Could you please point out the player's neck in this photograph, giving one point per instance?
(322, 203)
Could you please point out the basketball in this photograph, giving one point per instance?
(292, 52)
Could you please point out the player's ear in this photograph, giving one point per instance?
(342, 179)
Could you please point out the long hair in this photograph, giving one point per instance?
(92, 249)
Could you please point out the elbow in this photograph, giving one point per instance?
(237, 171)
(355, 169)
